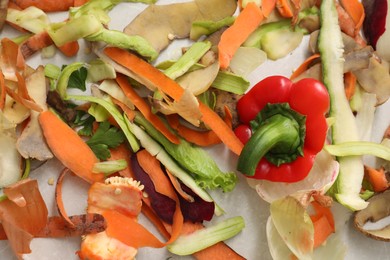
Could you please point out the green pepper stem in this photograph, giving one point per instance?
(278, 134)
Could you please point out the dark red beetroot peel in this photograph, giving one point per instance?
(198, 210)
(374, 24)
(161, 204)
(164, 206)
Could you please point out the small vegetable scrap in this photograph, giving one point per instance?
(287, 128)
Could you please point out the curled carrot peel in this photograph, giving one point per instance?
(11, 59)
(159, 80)
(145, 109)
(59, 201)
(232, 38)
(68, 147)
(304, 66)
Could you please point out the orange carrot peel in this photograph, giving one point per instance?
(201, 138)
(232, 38)
(355, 10)
(68, 147)
(2, 91)
(349, 84)
(145, 109)
(304, 66)
(323, 222)
(377, 178)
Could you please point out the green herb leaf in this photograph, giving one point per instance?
(84, 120)
(105, 137)
(101, 151)
(77, 79)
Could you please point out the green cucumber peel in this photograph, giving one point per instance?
(359, 148)
(188, 59)
(109, 167)
(63, 78)
(200, 28)
(206, 237)
(74, 29)
(330, 44)
(231, 82)
(119, 39)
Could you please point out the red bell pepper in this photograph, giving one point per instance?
(283, 128)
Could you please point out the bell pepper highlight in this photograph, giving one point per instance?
(283, 128)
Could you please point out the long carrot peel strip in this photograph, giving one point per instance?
(153, 77)
(68, 147)
(232, 38)
(156, 78)
(59, 201)
(284, 8)
(323, 222)
(162, 184)
(223, 131)
(2, 91)
(377, 178)
(145, 109)
(201, 138)
(355, 9)
(304, 66)
(349, 84)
